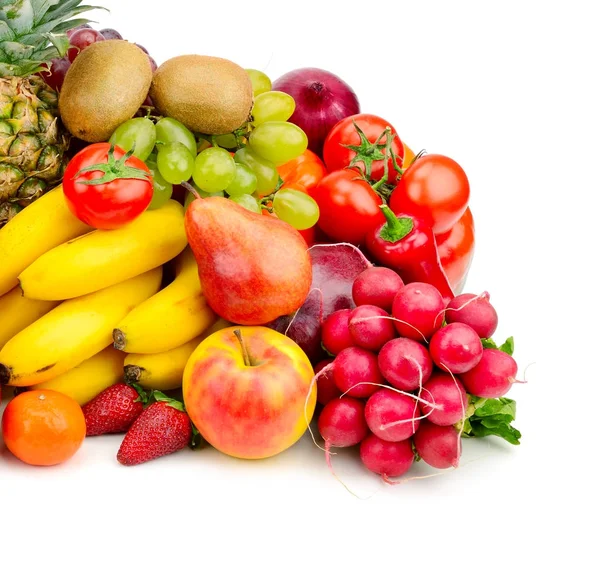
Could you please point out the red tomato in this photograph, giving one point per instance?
(349, 207)
(125, 194)
(307, 170)
(309, 236)
(456, 249)
(336, 156)
(435, 188)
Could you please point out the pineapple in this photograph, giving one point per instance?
(33, 141)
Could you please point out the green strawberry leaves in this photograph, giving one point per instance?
(491, 417)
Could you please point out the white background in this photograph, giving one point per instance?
(509, 90)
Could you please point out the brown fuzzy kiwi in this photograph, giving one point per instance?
(104, 87)
(207, 94)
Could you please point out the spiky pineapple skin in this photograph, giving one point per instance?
(33, 142)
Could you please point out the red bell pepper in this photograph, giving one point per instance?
(456, 249)
(407, 245)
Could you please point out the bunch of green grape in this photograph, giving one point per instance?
(241, 165)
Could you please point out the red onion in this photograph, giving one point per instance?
(322, 99)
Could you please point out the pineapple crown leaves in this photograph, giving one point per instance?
(33, 31)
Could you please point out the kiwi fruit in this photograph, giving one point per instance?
(208, 95)
(104, 87)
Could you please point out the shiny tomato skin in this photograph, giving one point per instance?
(336, 156)
(109, 205)
(434, 187)
(456, 249)
(349, 207)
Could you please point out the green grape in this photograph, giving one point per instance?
(175, 163)
(163, 190)
(138, 134)
(265, 171)
(244, 181)
(247, 201)
(260, 81)
(228, 141)
(296, 208)
(214, 169)
(169, 130)
(272, 106)
(189, 198)
(278, 141)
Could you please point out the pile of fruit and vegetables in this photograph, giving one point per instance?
(192, 255)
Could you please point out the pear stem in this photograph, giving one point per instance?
(248, 359)
(191, 190)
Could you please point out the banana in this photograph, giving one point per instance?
(41, 226)
(171, 318)
(84, 382)
(101, 259)
(17, 312)
(164, 371)
(72, 332)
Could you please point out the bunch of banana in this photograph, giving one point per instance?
(76, 286)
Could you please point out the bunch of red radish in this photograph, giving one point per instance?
(407, 372)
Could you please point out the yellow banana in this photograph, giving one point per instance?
(171, 318)
(41, 226)
(103, 258)
(84, 382)
(164, 371)
(17, 312)
(72, 332)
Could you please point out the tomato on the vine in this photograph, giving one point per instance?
(456, 249)
(360, 141)
(434, 188)
(349, 207)
(106, 187)
(306, 170)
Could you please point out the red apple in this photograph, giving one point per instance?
(249, 391)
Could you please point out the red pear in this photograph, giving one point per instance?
(253, 268)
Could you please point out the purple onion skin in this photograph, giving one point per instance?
(322, 99)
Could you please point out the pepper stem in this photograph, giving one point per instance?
(396, 228)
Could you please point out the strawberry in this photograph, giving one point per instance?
(162, 428)
(114, 409)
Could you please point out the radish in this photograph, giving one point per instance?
(475, 311)
(493, 376)
(353, 369)
(376, 286)
(456, 348)
(326, 388)
(342, 422)
(419, 308)
(386, 458)
(439, 447)
(405, 364)
(335, 332)
(392, 416)
(449, 397)
(368, 330)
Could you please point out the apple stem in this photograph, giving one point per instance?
(248, 360)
